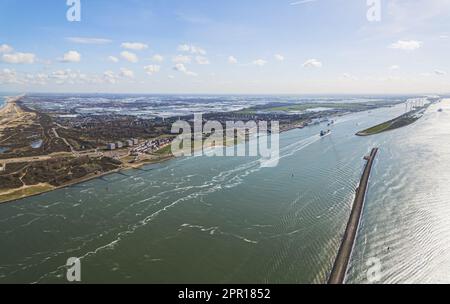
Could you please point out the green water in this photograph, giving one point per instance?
(222, 220)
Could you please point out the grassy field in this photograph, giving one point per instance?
(307, 106)
(167, 150)
(377, 129)
(399, 122)
(283, 107)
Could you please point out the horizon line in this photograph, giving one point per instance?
(235, 94)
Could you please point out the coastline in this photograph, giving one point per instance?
(6, 101)
(13, 195)
(84, 179)
(123, 168)
(26, 191)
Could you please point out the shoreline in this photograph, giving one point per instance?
(17, 194)
(124, 167)
(81, 180)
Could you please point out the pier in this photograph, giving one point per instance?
(345, 251)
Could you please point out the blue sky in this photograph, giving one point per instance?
(213, 46)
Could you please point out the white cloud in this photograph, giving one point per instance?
(191, 49)
(65, 76)
(136, 46)
(279, 57)
(8, 76)
(71, 56)
(394, 67)
(181, 59)
(312, 63)
(60, 75)
(130, 57)
(232, 60)
(126, 73)
(39, 79)
(158, 58)
(182, 68)
(260, 62)
(4, 48)
(184, 48)
(406, 45)
(440, 72)
(152, 69)
(347, 76)
(113, 59)
(201, 60)
(19, 58)
(88, 40)
(110, 77)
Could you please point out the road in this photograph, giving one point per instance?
(74, 152)
(30, 159)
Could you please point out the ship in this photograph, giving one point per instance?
(325, 133)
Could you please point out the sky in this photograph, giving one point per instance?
(226, 47)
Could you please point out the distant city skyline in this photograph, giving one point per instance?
(226, 47)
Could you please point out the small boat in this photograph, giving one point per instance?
(325, 133)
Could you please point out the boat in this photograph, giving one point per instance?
(325, 133)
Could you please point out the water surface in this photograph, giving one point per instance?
(224, 220)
